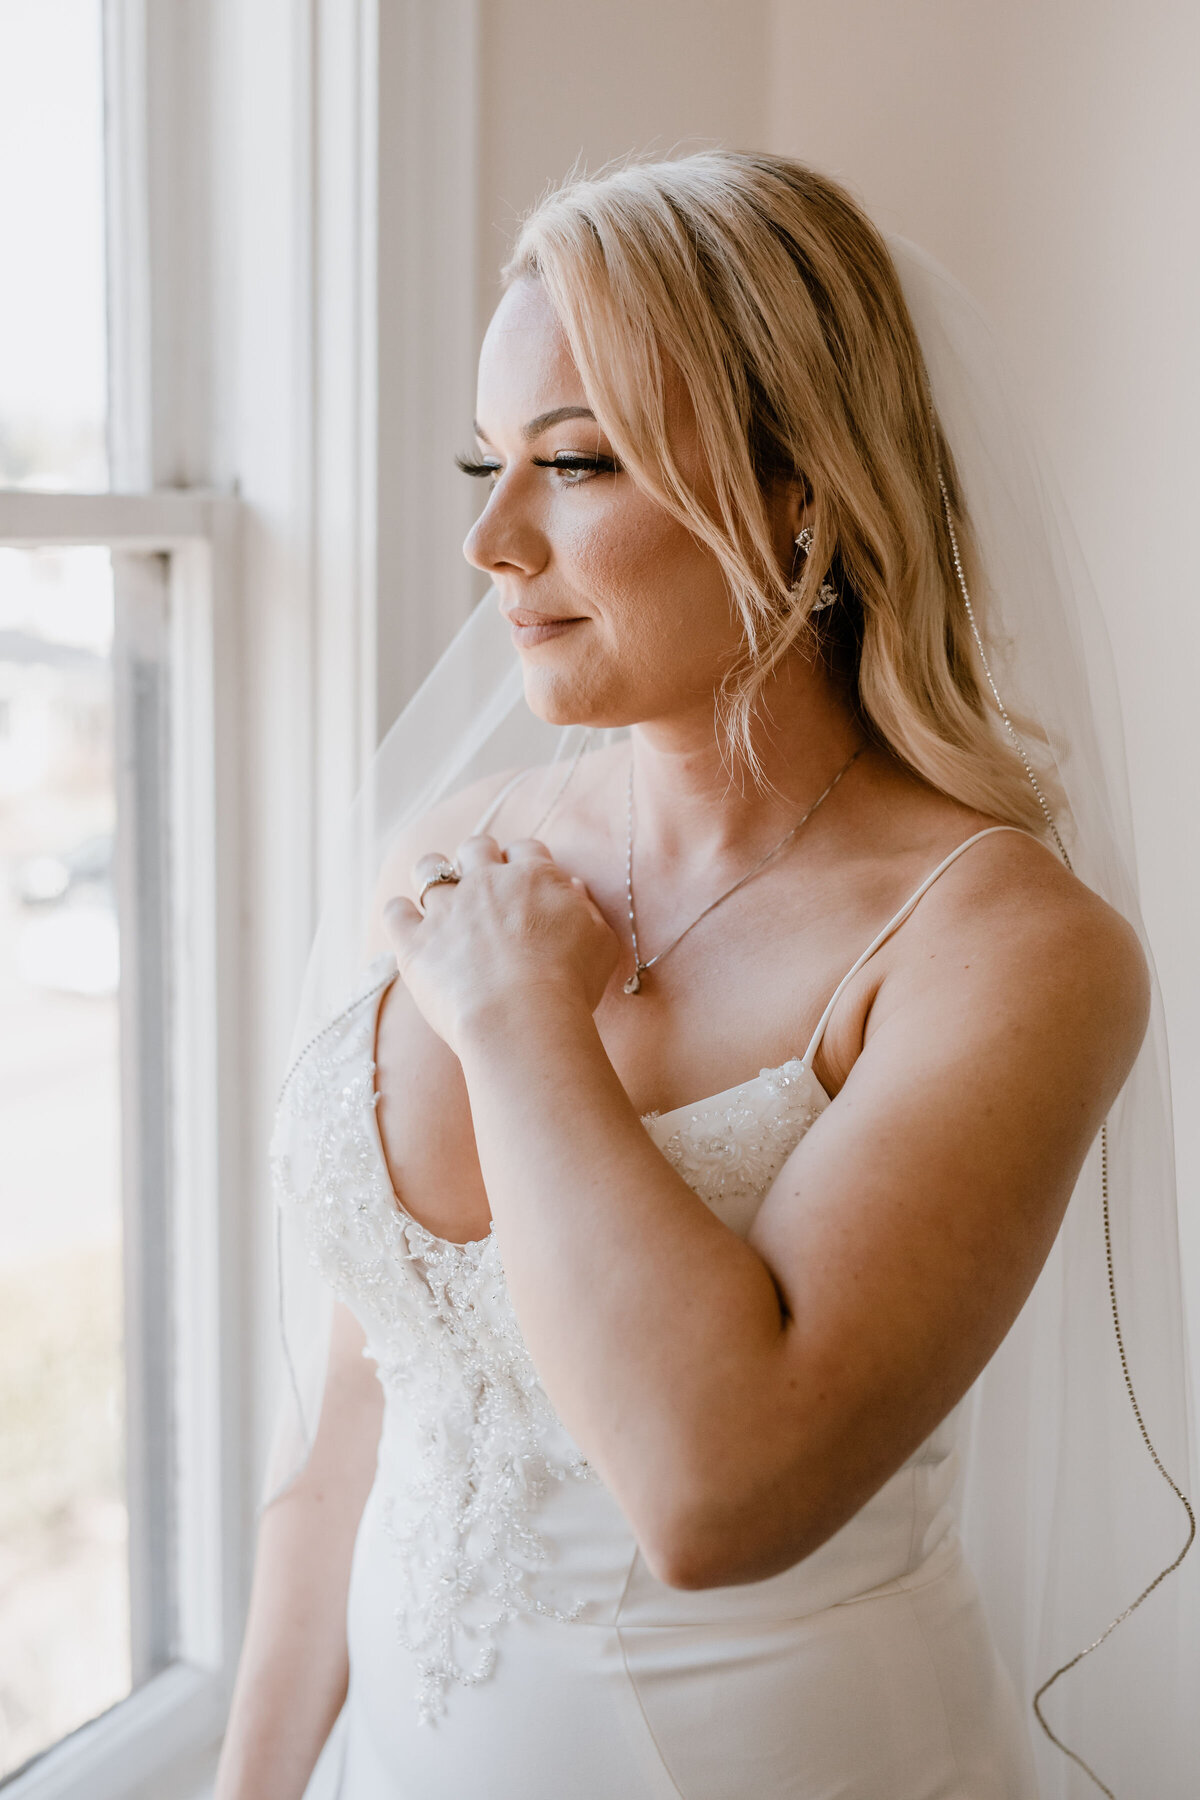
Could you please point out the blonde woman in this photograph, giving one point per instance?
(634, 1469)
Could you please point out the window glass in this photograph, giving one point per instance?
(52, 308)
(64, 1565)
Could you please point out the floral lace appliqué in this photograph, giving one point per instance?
(481, 1443)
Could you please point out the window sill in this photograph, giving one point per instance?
(153, 1743)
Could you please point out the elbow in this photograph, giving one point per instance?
(679, 1562)
(713, 1516)
(680, 1540)
(687, 1567)
(728, 1548)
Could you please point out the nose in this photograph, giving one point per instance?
(504, 538)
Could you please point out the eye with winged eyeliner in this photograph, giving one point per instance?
(569, 462)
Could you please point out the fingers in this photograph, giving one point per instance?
(581, 887)
(434, 872)
(477, 852)
(431, 873)
(400, 920)
(430, 867)
(527, 850)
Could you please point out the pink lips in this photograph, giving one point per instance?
(530, 628)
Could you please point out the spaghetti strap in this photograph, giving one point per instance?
(496, 802)
(892, 925)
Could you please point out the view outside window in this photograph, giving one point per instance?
(64, 1566)
(64, 1602)
(52, 315)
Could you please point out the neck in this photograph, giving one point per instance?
(691, 805)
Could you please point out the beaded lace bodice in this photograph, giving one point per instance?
(471, 1446)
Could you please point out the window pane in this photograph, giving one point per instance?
(52, 310)
(64, 1564)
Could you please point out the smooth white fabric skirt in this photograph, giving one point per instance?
(895, 1695)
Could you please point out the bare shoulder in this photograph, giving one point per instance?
(508, 803)
(1010, 928)
(439, 830)
(515, 803)
(442, 827)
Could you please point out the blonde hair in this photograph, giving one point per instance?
(763, 288)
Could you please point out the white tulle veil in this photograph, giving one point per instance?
(1069, 1501)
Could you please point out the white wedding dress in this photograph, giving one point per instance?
(507, 1641)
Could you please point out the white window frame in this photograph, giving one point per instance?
(178, 1711)
(190, 1521)
(254, 266)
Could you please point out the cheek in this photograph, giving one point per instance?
(654, 592)
(661, 628)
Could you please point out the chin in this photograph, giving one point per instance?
(563, 696)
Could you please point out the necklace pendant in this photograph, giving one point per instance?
(634, 984)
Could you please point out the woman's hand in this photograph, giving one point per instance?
(513, 922)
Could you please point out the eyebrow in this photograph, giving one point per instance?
(543, 422)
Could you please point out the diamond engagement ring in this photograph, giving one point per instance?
(444, 875)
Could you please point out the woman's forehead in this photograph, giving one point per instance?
(526, 370)
(525, 366)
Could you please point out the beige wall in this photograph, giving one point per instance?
(483, 104)
(1048, 151)
(560, 82)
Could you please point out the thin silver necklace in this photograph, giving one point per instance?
(634, 984)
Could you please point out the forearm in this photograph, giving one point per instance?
(294, 1666)
(656, 1330)
(293, 1671)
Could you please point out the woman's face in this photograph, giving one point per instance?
(619, 614)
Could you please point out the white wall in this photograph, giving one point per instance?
(1047, 151)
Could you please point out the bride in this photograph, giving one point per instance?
(713, 1098)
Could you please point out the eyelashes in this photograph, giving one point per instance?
(573, 467)
(570, 463)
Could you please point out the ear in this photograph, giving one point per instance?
(788, 505)
(798, 506)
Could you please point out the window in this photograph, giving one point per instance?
(53, 384)
(229, 286)
(64, 1537)
(112, 1559)
(116, 1551)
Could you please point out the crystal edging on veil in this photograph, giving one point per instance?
(1065, 1518)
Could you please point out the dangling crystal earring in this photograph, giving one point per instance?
(803, 541)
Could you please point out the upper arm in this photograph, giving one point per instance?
(909, 1225)
(347, 1436)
